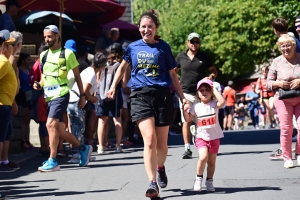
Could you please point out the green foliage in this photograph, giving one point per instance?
(236, 33)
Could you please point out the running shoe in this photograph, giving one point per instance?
(76, 159)
(85, 155)
(49, 165)
(162, 178)
(5, 168)
(198, 183)
(288, 164)
(119, 149)
(187, 154)
(126, 142)
(209, 185)
(13, 165)
(100, 149)
(277, 155)
(152, 191)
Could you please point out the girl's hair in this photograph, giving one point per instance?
(99, 60)
(151, 14)
(22, 57)
(208, 87)
(280, 24)
(266, 67)
(285, 38)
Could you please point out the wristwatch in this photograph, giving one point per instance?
(82, 95)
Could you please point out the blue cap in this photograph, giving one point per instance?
(71, 45)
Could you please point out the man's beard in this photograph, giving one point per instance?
(193, 50)
(52, 43)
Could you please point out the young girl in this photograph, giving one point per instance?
(208, 130)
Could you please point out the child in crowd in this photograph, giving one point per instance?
(208, 130)
(262, 114)
(242, 114)
(236, 120)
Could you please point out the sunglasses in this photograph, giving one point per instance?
(298, 26)
(194, 41)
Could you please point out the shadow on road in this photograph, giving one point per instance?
(186, 193)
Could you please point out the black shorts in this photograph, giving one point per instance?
(229, 110)
(57, 107)
(152, 102)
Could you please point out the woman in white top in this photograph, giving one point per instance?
(88, 77)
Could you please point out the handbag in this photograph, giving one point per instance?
(286, 94)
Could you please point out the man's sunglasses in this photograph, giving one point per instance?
(194, 41)
(297, 26)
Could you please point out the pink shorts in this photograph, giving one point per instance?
(212, 146)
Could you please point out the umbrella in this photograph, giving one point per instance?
(77, 7)
(36, 21)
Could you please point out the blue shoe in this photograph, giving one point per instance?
(162, 179)
(85, 155)
(49, 165)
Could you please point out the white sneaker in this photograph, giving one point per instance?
(209, 186)
(118, 149)
(198, 183)
(289, 164)
(298, 159)
(100, 149)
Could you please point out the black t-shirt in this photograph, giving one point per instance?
(192, 71)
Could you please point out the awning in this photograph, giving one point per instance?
(242, 87)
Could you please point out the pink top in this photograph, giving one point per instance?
(281, 70)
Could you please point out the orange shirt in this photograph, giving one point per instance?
(229, 95)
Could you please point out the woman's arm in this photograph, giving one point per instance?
(88, 96)
(272, 82)
(119, 74)
(257, 88)
(220, 98)
(187, 115)
(178, 89)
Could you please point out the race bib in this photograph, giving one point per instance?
(51, 90)
(207, 121)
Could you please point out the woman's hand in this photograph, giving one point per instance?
(111, 93)
(294, 84)
(284, 84)
(93, 99)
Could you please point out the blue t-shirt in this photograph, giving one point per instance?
(7, 23)
(150, 64)
(252, 103)
(24, 82)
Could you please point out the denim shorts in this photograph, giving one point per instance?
(77, 120)
(152, 102)
(5, 123)
(110, 108)
(57, 107)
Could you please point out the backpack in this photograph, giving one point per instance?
(106, 78)
(61, 62)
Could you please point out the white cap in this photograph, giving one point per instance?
(52, 28)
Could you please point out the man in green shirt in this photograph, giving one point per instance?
(55, 64)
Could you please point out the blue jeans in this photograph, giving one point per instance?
(77, 120)
(5, 123)
(254, 116)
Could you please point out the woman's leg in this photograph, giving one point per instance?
(285, 112)
(297, 115)
(147, 128)
(125, 120)
(162, 144)
(91, 124)
(102, 122)
(118, 130)
(270, 111)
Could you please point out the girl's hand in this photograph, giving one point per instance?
(294, 84)
(185, 105)
(111, 93)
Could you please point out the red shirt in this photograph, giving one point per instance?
(35, 73)
(229, 95)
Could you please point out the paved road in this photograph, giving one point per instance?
(243, 172)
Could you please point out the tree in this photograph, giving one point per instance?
(236, 33)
